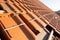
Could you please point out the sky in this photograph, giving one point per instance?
(52, 4)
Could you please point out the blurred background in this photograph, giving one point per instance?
(52, 4)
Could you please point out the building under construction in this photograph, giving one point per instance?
(28, 20)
